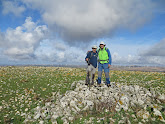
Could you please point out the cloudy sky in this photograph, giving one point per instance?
(62, 31)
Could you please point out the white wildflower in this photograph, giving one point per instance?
(26, 109)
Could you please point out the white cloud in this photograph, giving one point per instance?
(89, 19)
(12, 7)
(60, 45)
(122, 60)
(116, 58)
(156, 50)
(1, 38)
(50, 53)
(154, 60)
(20, 43)
(155, 54)
(77, 20)
(137, 60)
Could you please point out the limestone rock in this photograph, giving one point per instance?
(82, 98)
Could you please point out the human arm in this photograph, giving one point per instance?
(88, 56)
(110, 58)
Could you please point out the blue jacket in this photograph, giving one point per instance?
(93, 58)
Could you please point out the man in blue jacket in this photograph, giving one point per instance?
(91, 59)
(104, 63)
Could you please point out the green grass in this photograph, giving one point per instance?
(23, 88)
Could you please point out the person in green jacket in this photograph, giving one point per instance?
(104, 62)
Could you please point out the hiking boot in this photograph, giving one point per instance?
(92, 83)
(108, 85)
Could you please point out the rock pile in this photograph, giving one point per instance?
(81, 98)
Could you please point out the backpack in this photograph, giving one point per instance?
(89, 57)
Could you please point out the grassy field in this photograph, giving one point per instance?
(23, 88)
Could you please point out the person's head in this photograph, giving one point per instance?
(94, 48)
(102, 45)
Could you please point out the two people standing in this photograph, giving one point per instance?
(104, 62)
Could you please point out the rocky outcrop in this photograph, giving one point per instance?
(83, 98)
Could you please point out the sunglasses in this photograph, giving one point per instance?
(101, 44)
(93, 48)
